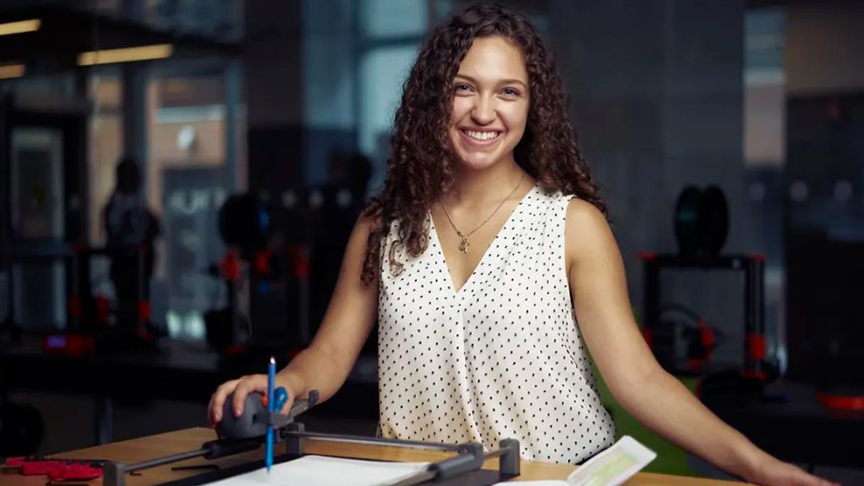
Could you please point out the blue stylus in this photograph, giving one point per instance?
(271, 406)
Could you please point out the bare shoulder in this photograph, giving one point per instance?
(355, 253)
(587, 233)
(367, 223)
(584, 213)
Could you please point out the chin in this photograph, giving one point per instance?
(479, 159)
(478, 162)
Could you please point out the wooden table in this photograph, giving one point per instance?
(144, 448)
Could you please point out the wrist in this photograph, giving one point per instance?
(750, 462)
(293, 383)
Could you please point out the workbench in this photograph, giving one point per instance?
(145, 448)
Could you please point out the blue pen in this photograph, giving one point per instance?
(271, 407)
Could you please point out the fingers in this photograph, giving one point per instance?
(805, 479)
(823, 482)
(778, 473)
(247, 385)
(217, 401)
(817, 481)
(241, 388)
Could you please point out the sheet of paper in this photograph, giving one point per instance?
(541, 482)
(326, 471)
(614, 465)
(608, 468)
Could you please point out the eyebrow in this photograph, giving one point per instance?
(503, 81)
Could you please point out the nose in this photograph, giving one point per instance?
(484, 111)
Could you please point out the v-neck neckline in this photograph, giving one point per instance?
(492, 246)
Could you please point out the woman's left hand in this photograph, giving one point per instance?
(774, 472)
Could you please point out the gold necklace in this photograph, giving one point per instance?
(463, 238)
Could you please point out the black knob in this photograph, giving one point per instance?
(248, 424)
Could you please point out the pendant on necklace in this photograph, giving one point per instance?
(463, 244)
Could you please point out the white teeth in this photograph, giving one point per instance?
(481, 135)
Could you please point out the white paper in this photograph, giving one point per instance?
(541, 482)
(327, 471)
(608, 468)
(614, 465)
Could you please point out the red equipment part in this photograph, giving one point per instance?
(57, 469)
(841, 402)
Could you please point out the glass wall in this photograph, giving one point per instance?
(190, 173)
(106, 142)
(357, 56)
(189, 115)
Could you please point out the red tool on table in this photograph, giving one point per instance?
(57, 469)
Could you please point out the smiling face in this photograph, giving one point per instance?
(490, 103)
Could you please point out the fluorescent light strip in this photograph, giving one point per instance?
(127, 54)
(20, 27)
(9, 71)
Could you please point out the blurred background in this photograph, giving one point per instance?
(178, 179)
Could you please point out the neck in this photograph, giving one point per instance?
(481, 186)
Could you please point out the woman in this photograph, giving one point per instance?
(488, 234)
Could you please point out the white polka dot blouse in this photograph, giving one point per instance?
(500, 358)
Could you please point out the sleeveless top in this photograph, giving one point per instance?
(503, 357)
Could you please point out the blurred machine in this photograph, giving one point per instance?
(682, 340)
(46, 258)
(824, 245)
(41, 208)
(285, 256)
(820, 396)
(42, 203)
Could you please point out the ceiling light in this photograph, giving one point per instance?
(9, 71)
(20, 27)
(127, 54)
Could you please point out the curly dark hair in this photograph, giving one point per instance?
(420, 165)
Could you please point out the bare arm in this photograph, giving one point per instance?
(657, 399)
(326, 363)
